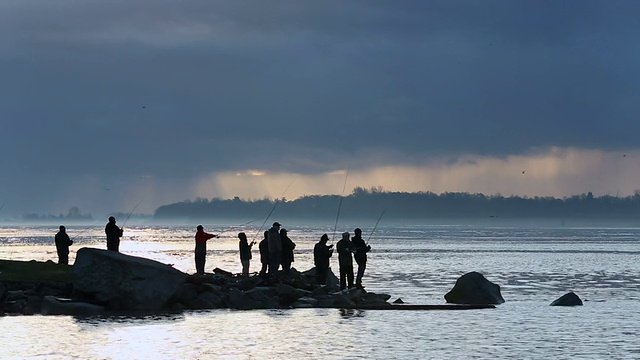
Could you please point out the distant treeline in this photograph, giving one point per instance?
(369, 203)
(74, 214)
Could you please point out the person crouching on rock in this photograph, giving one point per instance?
(62, 246)
(201, 248)
(245, 253)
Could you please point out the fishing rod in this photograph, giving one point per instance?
(335, 227)
(85, 230)
(238, 226)
(272, 209)
(128, 216)
(375, 227)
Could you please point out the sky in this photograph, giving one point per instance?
(106, 105)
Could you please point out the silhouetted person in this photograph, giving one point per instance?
(287, 251)
(201, 248)
(245, 253)
(360, 250)
(62, 246)
(275, 249)
(264, 253)
(321, 254)
(344, 248)
(114, 233)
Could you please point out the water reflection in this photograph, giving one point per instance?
(131, 318)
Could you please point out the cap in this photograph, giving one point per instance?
(357, 230)
(345, 234)
(276, 224)
(324, 237)
(283, 231)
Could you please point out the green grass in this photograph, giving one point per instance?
(34, 271)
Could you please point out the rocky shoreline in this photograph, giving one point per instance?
(106, 282)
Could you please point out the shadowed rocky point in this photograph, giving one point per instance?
(106, 281)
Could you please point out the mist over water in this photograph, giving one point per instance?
(533, 263)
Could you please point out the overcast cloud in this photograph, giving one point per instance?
(107, 103)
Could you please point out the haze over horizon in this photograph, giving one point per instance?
(107, 104)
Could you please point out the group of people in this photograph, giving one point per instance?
(276, 251)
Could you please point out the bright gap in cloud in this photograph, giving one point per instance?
(553, 172)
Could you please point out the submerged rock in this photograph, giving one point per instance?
(568, 299)
(473, 288)
(124, 282)
(56, 306)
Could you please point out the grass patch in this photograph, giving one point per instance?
(34, 271)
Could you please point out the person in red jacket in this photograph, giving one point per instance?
(201, 248)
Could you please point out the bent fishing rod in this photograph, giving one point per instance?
(272, 209)
(239, 226)
(375, 227)
(335, 227)
(128, 216)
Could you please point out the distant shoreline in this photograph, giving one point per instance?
(365, 205)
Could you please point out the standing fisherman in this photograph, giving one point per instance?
(264, 253)
(321, 255)
(201, 248)
(287, 250)
(345, 247)
(360, 250)
(62, 246)
(245, 253)
(275, 249)
(114, 233)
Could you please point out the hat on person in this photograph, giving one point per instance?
(345, 234)
(357, 230)
(324, 237)
(283, 231)
(276, 224)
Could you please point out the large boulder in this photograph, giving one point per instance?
(124, 282)
(568, 299)
(474, 288)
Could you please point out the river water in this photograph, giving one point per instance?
(534, 264)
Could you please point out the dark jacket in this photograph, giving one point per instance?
(113, 231)
(360, 249)
(344, 248)
(287, 248)
(321, 255)
(264, 251)
(63, 241)
(245, 250)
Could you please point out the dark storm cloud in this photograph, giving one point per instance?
(174, 89)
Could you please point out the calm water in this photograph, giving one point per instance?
(533, 265)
